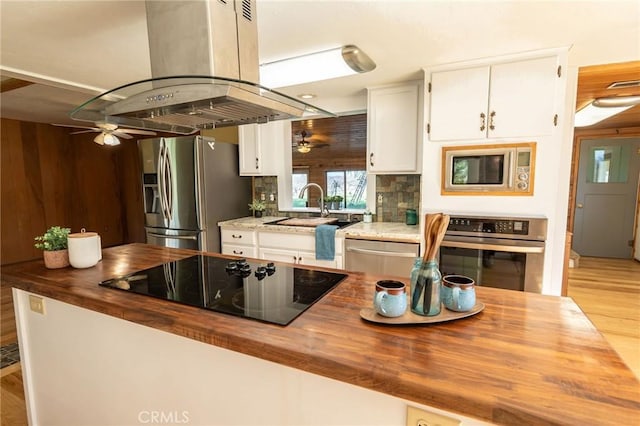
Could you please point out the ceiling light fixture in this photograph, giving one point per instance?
(303, 149)
(307, 96)
(106, 139)
(332, 63)
(603, 108)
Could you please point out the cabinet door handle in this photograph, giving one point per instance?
(257, 163)
(236, 236)
(491, 123)
(483, 121)
(295, 259)
(238, 252)
(371, 159)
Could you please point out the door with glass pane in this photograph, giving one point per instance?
(606, 197)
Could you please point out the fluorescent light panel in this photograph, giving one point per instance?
(318, 66)
(603, 108)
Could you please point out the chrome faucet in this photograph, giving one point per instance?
(323, 212)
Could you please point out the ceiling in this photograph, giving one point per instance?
(73, 50)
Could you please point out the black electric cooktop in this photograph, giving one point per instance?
(257, 290)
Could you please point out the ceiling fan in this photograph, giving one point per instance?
(303, 145)
(109, 133)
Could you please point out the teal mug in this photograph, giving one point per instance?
(390, 299)
(458, 293)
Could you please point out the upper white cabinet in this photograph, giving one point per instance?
(261, 147)
(514, 98)
(394, 128)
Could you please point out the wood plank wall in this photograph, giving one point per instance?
(337, 144)
(49, 177)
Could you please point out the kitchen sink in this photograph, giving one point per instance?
(340, 223)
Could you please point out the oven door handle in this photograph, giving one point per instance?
(381, 253)
(489, 246)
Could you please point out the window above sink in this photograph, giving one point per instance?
(334, 156)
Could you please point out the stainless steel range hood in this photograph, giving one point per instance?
(204, 60)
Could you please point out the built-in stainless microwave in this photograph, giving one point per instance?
(499, 169)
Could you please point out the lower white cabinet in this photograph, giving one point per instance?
(278, 247)
(295, 248)
(239, 242)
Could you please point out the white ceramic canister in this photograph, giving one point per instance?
(85, 249)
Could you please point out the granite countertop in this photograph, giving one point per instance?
(525, 359)
(387, 231)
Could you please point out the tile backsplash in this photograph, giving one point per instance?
(397, 192)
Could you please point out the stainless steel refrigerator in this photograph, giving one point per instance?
(190, 183)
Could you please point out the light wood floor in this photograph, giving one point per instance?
(607, 290)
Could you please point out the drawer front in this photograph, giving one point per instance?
(288, 241)
(237, 236)
(283, 240)
(239, 250)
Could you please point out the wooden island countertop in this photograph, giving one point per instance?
(525, 359)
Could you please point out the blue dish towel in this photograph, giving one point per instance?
(326, 242)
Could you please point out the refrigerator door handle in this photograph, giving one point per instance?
(173, 237)
(161, 182)
(168, 184)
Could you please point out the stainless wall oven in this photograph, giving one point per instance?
(499, 252)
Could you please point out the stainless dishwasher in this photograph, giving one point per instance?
(380, 257)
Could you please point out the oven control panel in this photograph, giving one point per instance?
(489, 226)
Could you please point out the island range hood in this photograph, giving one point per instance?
(204, 65)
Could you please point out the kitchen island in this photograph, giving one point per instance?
(525, 359)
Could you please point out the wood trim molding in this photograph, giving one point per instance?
(8, 84)
(480, 149)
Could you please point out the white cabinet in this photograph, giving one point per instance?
(514, 98)
(261, 147)
(295, 248)
(239, 242)
(394, 129)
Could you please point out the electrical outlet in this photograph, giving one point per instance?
(418, 417)
(36, 304)
(263, 197)
(379, 198)
(272, 197)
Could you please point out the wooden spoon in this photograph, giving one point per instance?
(429, 222)
(438, 235)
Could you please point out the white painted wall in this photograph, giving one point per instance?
(85, 368)
(552, 177)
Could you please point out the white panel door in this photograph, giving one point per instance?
(606, 197)
(522, 99)
(459, 101)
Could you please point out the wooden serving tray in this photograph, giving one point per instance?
(315, 221)
(409, 317)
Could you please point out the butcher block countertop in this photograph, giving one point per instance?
(525, 359)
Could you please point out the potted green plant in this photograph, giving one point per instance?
(54, 246)
(334, 202)
(257, 207)
(337, 202)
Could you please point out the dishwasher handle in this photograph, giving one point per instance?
(381, 253)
